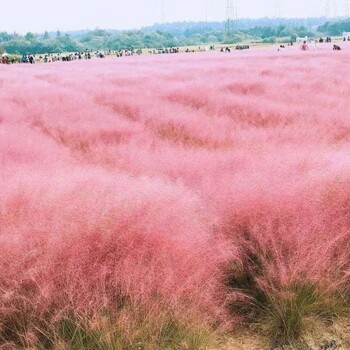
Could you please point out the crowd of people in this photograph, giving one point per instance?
(126, 52)
(321, 40)
(327, 40)
(163, 51)
(88, 54)
(313, 43)
(7, 60)
(47, 58)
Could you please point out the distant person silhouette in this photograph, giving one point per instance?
(304, 46)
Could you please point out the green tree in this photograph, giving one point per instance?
(29, 36)
(4, 36)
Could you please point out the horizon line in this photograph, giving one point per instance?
(175, 22)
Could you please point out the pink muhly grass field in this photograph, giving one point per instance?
(185, 185)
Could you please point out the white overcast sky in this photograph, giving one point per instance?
(41, 15)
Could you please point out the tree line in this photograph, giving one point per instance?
(169, 35)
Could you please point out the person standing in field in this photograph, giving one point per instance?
(304, 46)
(313, 45)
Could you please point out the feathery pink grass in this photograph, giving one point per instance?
(142, 179)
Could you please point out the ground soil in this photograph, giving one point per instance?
(331, 336)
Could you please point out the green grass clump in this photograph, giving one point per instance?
(288, 311)
(80, 335)
(130, 330)
(282, 311)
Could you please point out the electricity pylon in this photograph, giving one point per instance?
(162, 11)
(277, 9)
(331, 10)
(346, 8)
(231, 17)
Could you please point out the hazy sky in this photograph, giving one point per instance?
(41, 15)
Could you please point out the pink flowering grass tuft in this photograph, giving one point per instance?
(202, 189)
